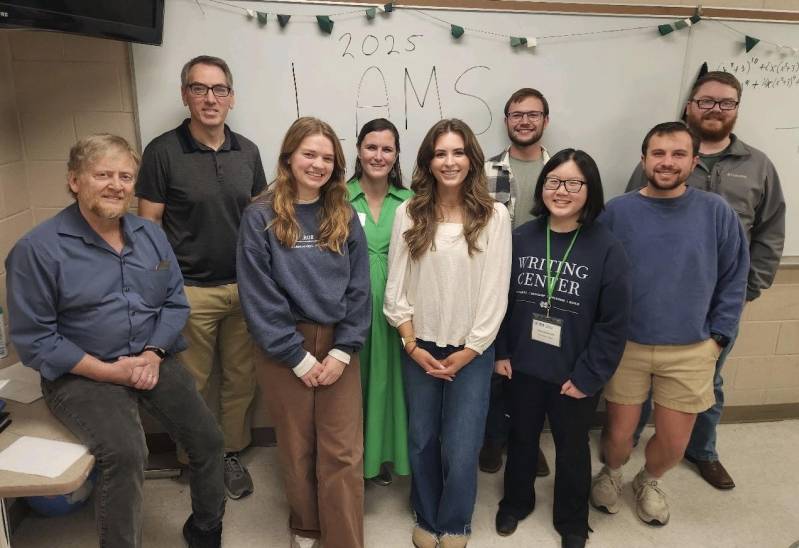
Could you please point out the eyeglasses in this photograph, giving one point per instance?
(571, 185)
(533, 115)
(708, 104)
(201, 90)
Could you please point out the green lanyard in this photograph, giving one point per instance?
(552, 280)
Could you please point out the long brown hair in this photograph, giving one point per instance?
(477, 203)
(336, 212)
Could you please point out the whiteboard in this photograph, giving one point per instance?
(605, 89)
(768, 116)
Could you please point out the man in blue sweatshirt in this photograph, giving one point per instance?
(748, 181)
(690, 261)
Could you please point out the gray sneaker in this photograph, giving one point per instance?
(238, 482)
(605, 491)
(650, 501)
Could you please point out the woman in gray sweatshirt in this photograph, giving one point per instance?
(303, 274)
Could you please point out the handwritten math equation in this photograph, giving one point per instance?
(756, 73)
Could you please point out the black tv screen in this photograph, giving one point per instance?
(129, 20)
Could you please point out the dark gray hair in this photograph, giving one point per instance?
(205, 60)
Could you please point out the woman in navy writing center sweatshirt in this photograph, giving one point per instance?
(303, 275)
(561, 340)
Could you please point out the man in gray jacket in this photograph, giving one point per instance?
(746, 178)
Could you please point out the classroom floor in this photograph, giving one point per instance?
(762, 511)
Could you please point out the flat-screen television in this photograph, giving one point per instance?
(129, 20)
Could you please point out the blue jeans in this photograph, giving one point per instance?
(446, 421)
(105, 418)
(702, 445)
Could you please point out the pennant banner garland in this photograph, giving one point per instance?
(457, 31)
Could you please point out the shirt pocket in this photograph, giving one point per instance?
(151, 285)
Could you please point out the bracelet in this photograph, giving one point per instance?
(415, 346)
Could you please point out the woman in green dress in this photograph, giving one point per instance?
(375, 191)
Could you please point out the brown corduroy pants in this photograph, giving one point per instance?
(320, 443)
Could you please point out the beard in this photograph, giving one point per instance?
(715, 132)
(110, 211)
(533, 139)
(651, 177)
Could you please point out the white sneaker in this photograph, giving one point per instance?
(605, 491)
(303, 542)
(650, 501)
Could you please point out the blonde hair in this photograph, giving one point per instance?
(88, 150)
(336, 212)
(478, 206)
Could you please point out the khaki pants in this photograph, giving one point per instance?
(320, 443)
(216, 322)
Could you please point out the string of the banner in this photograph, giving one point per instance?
(750, 41)
(297, 16)
(326, 22)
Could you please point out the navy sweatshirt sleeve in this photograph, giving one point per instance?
(733, 271)
(598, 361)
(351, 331)
(266, 308)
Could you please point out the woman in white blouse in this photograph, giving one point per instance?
(449, 268)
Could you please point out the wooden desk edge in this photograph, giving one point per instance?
(14, 484)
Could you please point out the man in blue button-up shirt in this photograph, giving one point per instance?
(96, 305)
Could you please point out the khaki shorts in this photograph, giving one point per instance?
(681, 376)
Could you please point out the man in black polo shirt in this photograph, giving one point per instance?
(196, 180)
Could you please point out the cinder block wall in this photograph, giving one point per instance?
(763, 368)
(55, 88)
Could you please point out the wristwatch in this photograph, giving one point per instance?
(160, 352)
(721, 340)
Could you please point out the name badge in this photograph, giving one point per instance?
(547, 330)
(362, 218)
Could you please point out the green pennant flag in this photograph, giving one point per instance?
(325, 23)
(388, 8)
(516, 41)
(751, 42)
(283, 20)
(679, 25)
(261, 18)
(456, 31)
(665, 29)
(370, 13)
(695, 19)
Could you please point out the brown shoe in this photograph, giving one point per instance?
(543, 467)
(713, 472)
(491, 457)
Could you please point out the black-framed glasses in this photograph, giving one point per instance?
(533, 115)
(201, 90)
(708, 104)
(571, 185)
